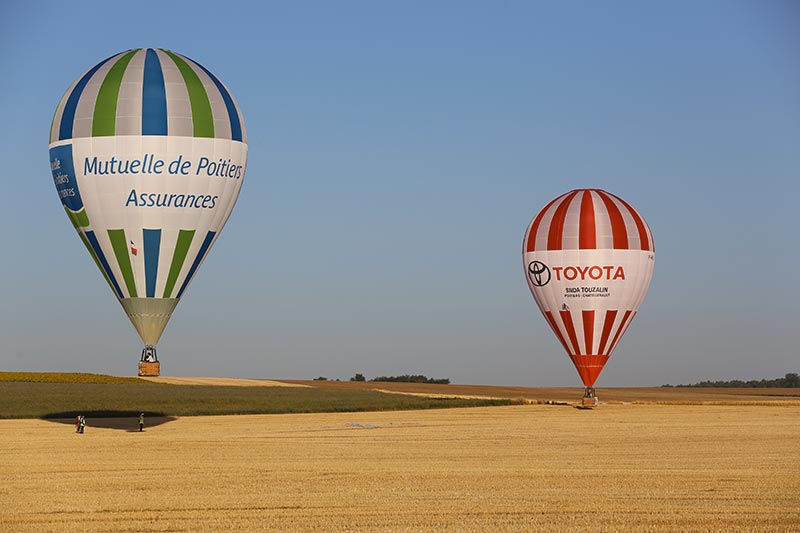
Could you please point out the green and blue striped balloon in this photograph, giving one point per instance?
(148, 151)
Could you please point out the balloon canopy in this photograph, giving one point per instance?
(148, 152)
(588, 257)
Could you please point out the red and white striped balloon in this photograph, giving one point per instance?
(588, 257)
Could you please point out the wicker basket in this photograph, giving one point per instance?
(586, 402)
(149, 369)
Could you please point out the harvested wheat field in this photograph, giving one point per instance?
(515, 468)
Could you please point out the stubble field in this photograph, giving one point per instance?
(515, 468)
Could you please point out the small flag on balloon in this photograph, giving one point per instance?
(134, 251)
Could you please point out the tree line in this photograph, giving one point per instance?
(405, 378)
(789, 381)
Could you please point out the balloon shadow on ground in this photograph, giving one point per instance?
(122, 420)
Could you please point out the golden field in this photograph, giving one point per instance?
(621, 467)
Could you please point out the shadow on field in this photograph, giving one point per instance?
(123, 420)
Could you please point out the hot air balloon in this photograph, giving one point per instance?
(588, 258)
(148, 152)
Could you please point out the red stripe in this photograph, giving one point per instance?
(639, 225)
(588, 330)
(566, 317)
(556, 233)
(530, 245)
(619, 232)
(622, 327)
(607, 324)
(587, 234)
(551, 320)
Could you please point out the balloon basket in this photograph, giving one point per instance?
(147, 369)
(589, 400)
(588, 403)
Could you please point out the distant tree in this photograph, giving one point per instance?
(409, 378)
(321, 378)
(790, 380)
(358, 377)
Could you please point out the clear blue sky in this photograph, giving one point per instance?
(398, 151)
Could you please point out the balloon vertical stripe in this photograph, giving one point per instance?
(587, 234)
(566, 318)
(588, 329)
(608, 323)
(197, 260)
(68, 116)
(644, 232)
(104, 120)
(556, 234)
(96, 260)
(552, 321)
(618, 232)
(152, 247)
(154, 97)
(202, 117)
(98, 251)
(181, 249)
(623, 325)
(534, 229)
(233, 114)
(120, 245)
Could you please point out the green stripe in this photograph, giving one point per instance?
(104, 121)
(185, 237)
(120, 245)
(79, 219)
(96, 260)
(202, 117)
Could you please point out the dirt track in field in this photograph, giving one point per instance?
(222, 382)
(516, 468)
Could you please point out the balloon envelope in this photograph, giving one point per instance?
(588, 257)
(148, 152)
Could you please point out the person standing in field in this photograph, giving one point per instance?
(78, 424)
(83, 424)
(141, 422)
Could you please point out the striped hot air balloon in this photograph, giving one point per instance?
(148, 152)
(588, 257)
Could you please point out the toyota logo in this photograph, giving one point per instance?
(538, 273)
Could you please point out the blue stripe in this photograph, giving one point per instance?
(197, 261)
(236, 126)
(68, 117)
(152, 245)
(154, 97)
(96, 247)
